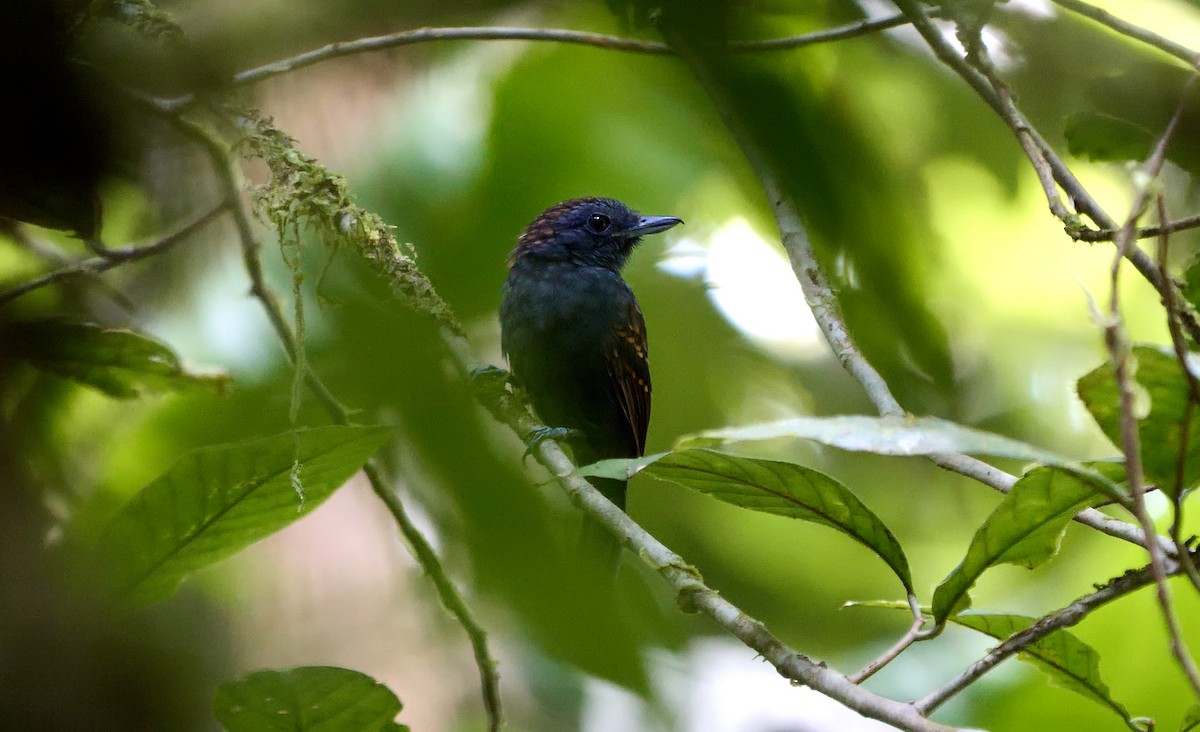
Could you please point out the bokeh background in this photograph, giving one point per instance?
(955, 279)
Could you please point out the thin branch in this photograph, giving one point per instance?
(1125, 28)
(423, 551)
(851, 30)
(57, 256)
(555, 35)
(912, 635)
(1083, 201)
(88, 267)
(1193, 398)
(1064, 618)
(1120, 353)
(1148, 232)
(1024, 132)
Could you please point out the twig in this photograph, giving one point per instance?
(1024, 132)
(1170, 227)
(912, 635)
(421, 548)
(556, 35)
(1193, 398)
(87, 267)
(1083, 201)
(1120, 353)
(850, 30)
(1105, 18)
(1064, 618)
(53, 254)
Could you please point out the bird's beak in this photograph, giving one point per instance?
(650, 225)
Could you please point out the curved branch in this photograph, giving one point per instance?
(1148, 232)
(1125, 28)
(554, 35)
(116, 257)
(1064, 618)
(1120, 353)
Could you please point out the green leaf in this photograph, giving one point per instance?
(618, 468)
(882, 436)
(1102, 137)
(306, 699)
(1068, 661)
(120, 363)
(783, 489)
(217, 500)
(1162, 429)
(1191, 719)
(1025, 528)
(905, 436)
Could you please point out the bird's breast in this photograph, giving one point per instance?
(571, 303)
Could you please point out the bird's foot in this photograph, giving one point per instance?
(489, 374)
(490, 384)
(541, 434)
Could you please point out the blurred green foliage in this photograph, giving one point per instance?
(954, 279)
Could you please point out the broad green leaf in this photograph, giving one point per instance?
(1096, 136)
(783, 489)
(1068, 661)
(306, 699)
(1161, 430)
(120, 363)
(217, 500)
(1025, 528)
(1191, 719)
(905, 436)
(883, 436)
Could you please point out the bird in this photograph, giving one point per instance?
(573, 333)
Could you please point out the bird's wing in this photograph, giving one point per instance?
(629, 369)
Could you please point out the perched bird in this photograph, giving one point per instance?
(573, 332)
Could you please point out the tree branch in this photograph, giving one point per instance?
(1118, 346)
(1026, 132)
(1064, 618)
(555, 35)
(1167, 227)
(1193, 398)
(1125, 28)
(116, 257)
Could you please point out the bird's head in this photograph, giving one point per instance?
(598, 232)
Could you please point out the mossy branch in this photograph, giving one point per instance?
(302, 194)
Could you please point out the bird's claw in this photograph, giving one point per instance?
(488, 373)
(541, 434)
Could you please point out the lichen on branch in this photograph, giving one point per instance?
(302, 194)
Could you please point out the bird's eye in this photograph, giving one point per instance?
(599, 223)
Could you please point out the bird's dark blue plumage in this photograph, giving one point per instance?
(572, 329)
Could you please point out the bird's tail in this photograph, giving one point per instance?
(595, 541)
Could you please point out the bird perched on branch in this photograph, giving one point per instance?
(573, 332)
